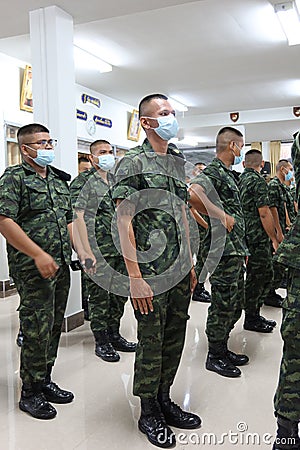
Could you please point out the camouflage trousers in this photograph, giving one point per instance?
(287, 396)
(41, 311)
(259, 277)
(105, 307)
(161, 336)
(227, 298)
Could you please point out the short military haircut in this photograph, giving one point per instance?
(98, 142)
(200, 164)
(83, 159)
(32, 128)
(253, 158)
(282, 163)
(226, 135)
(146, 100)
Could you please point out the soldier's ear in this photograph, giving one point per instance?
(23, 149)
(243, 162)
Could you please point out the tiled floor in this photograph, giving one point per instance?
(237, 412)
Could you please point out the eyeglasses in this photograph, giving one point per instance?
(44, 143)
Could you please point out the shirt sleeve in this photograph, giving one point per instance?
(261, 193)
(10, 196)
(79, 195)
(274, 196)
(127, 179)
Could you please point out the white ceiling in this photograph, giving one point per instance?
(216, 56)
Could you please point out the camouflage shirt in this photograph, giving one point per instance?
(290, 203)
(288, 252)
(41, 207)
(155, 184)
(277, 197)
(254, 195)
(91, 194)
(221, 189)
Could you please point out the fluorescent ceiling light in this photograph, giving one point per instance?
(87, 60)
(177, 105)
(289, 20)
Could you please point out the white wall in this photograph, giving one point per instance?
(118, 112)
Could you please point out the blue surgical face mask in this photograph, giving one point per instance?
(106, 162)
(238, 159)
(288, 176)
(167, 126)
(44, 157)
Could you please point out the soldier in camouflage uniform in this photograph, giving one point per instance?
(260, 228)
(151, 195)
(215, 193)
(287, 397)
(200, 294)
(95, 209)
(278, 205)
(35, 216)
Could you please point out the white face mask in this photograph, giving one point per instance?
(44, 157)
(106, 162)
(167, 126)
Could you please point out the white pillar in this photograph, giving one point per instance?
(54, 103)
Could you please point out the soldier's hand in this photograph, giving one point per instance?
(229, 222)
(193, 279)
(141, 295)
(46, 265)
(88, 262)
(275, 245)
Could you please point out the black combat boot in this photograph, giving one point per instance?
(174, 415)
(103, 347)
(53, 393)
(200, 294)
(255, 322)
(154, 425)
(287, 435)
(235, 358)
(273, 299)
(34, 402)
(218, 361)
(119, 342)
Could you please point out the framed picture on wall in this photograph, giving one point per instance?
(26, 90)
(134, 128)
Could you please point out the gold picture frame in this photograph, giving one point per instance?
(134, 129)
(26, 90)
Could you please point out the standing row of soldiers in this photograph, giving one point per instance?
(156, 269)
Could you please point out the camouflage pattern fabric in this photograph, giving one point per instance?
(254, 195)
(288, 253)
(161, 336)
(105, 308)
(227, 280)
(92, 195)
(41, 311)
(259, 278)
(42, 208)
(221, 188)
(287, 396)
(277, 197)
(156, 186)
(290, 204)
(227, 298)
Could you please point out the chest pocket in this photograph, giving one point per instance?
(62, 196)
(38, 195)
(155, 191)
